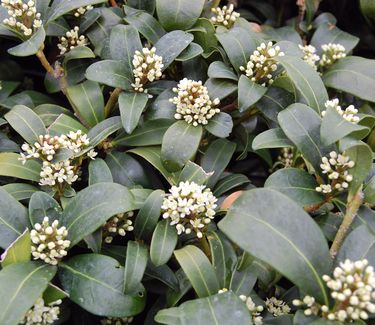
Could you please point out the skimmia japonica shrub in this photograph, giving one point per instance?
(187, 162)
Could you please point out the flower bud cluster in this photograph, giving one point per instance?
(331, 54)
(193, 104)
(348, 114)
(286, 157)
(41, 314)
(65, 171)
(118, 225)
(254, 309)
(225, 16)
(309, 55)
(353, 290)
(22, 16)
(116, 321)
(263, 63)
(71, 40)
(277, 307)
(190, 207)
(48, 241)
(82, 10)
(336, 167)
(147, 68)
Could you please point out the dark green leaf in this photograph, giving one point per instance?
(220, 125)
(179, 14)
(272, 138)
(18, 251)
(163, 243)
(91, 207)
(229, 182)
(193, 173)
(180, 144)
(249, 93)
(199, 270)
(10, 165)
(21, 284)
(220, 88)
(219, 70)
(131, 108)
(42, 205)
(64, 124)
(135, 266)
(30, 46)
(20, 191)
(99, 172)
(192, 51)
(103, 130)
(279, 238)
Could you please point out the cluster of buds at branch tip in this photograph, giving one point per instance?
(23, 17)
(263, 64)
(336, 167)
(82, 10)
(331, 54)
(41, 314)
(309, 55)
(190, 207)
(225, 16)
(349, 114)
(118, 225)
(71, 40)
(193, 104)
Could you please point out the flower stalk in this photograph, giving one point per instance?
(112, 101)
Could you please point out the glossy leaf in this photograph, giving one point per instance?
(99, 172)
(131, 108)
(103, 130)
(220, 88)
(43, 205)
(296, 184)
(219, 70)
(199, 270)
(30, 46)
(20, 191)
(18, 251)
(10, 165)
(220, 125)
(21, 284)
(229, 182)
(13, 219)
(302, 126)
(180, 14)
(148, 215)
(64, 124)
(135, 266)
(87, 101)
(91, 207)
(87, 276)
(354, 75)
(249, 93)
(26, 123)
(279, 238)
(193, 173)
(220, 309)
(216, 159)
(272, 138)
(163, 243)
(180, 144)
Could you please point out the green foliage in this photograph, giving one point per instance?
(161, 166)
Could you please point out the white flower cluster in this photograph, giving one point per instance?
(71, 40)
(193, 104)
(189, 206)
(277, 307)
(349, 114)
(41, 314)
(49, 243)
(336, 167)
(82, 10)
(116, 321)
(119, 224)
(147, 68)
(353, 289)
(22, 16)
(262, 64)
(254, 309)
(225, 16)
(46, 149)
(331, 53)
(286, 157)
(309, 55)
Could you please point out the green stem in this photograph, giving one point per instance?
(112, 101)
(351, 211)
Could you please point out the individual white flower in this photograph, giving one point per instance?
(262, 64)
(190, 207)
(48, 241)
(353, 290)
(147, 68)
(22, 16)
(118, 225)
(348, 114)
(193, 104)
(92, 154)
(59, 172)
(277, 307)
(225, 16)
(41, 314)
(254, 309)
(82, 10)
(71, 40)
(331, 53)
(116, 321)
(336, 167)
(309, 55)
